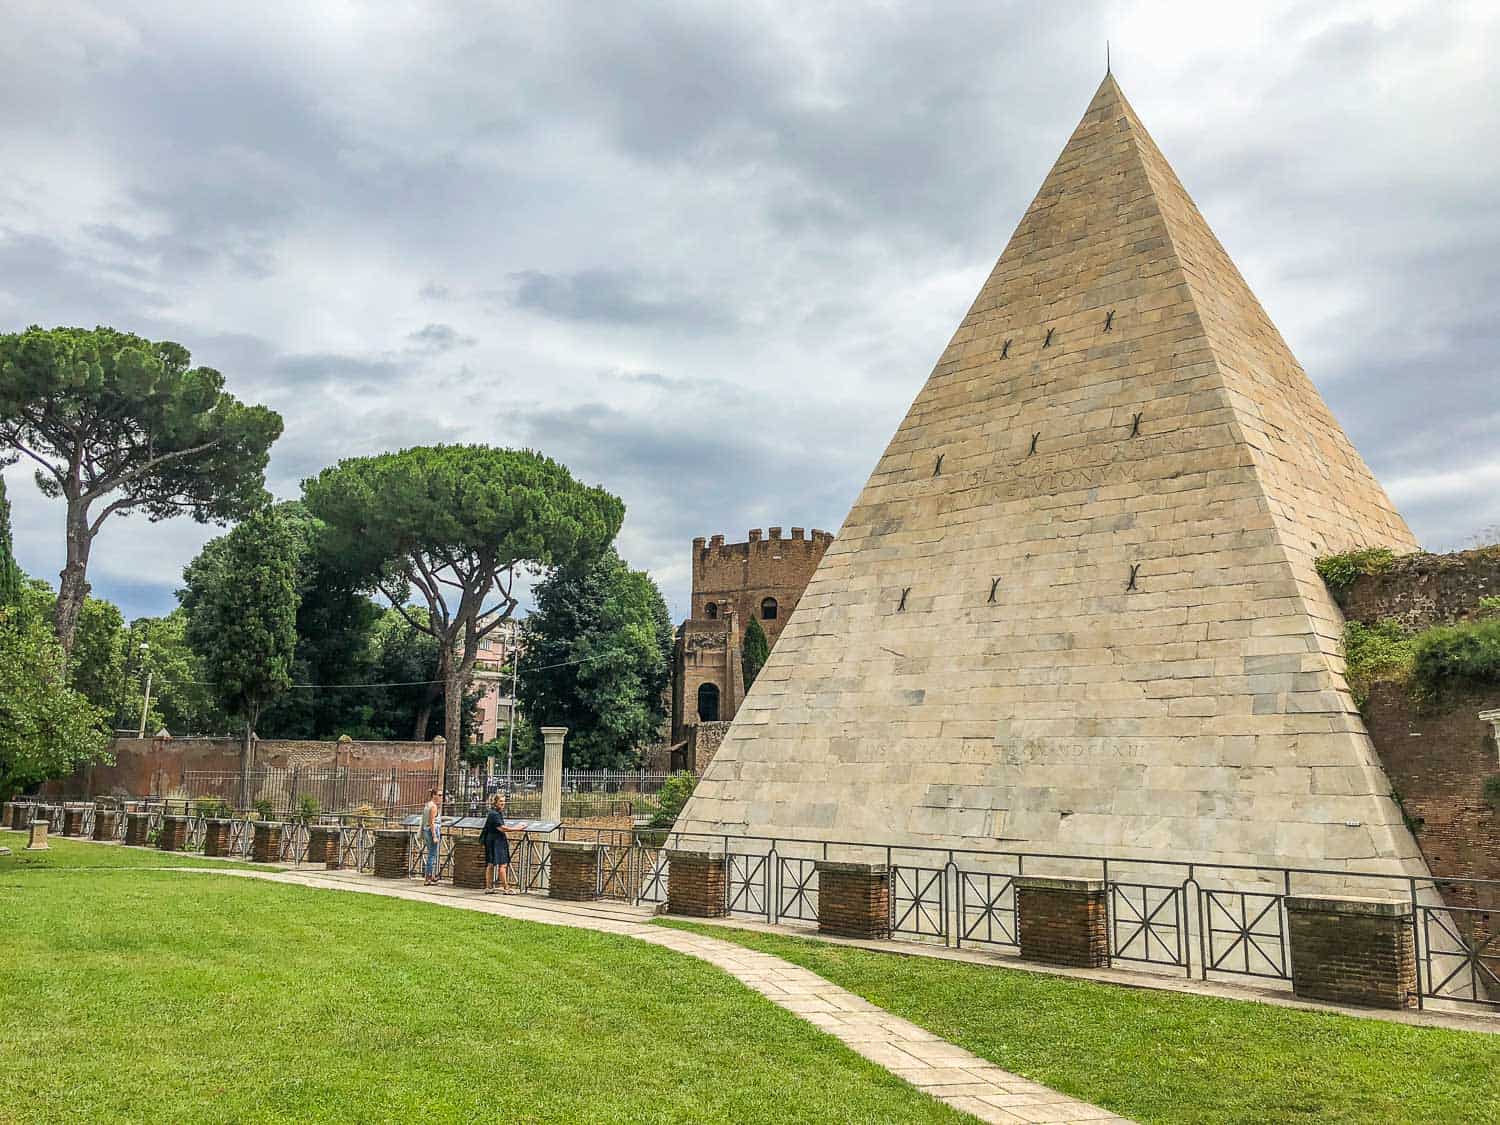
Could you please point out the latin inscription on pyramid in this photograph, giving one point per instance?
(1074, 608)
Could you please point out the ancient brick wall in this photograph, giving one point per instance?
(742, 575)
(704, 740)
(1422, 590)
(145, 766)
(1437, 753)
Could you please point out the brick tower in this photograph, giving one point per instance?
(1075, 607)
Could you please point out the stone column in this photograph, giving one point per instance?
(854, 899)
(468, 862)
(137, 825)
(575, 871)
(390, 853)
(1352, 950)
(552, 759)
(37, 842)
(73, 820)
(695, 884)
(217, 834)
(1062, 921)
(173, 834)
(266, 845)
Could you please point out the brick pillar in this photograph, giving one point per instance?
(390, 853)
(468, 862)
(136, 825)
(73, 820)
(8, 814)
(575, 871)
(49, 814)
(695, 884)
(1063, 921)
(173, 834)
(217, 837)
(323, 842)
(1352, 950)
(854, 899)
(106, 823)
(266, 845)
(22, 813)
(37, 842)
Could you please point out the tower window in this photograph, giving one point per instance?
(711, 611)
(708, 703)
(768, 609)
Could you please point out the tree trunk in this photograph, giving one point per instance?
(430, 696)
(453, 715)
(73, 584)
(247, 749)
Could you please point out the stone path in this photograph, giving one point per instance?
(938, 1067)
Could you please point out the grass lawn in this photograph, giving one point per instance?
(147, 994)
(1169, 1057)
(63, 852)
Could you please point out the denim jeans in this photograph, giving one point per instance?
(430, 842)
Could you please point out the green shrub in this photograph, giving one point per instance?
(1489, 607)
(1458, 655)
(1376, 653)
(207, 807)
(1492, 791)
(263, 808)
(307, 807)
(1339, 572)
(675, 792)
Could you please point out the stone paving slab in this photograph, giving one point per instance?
(935, 1066)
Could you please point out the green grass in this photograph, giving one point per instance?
(144, 994)
(1169, 1057)
(63, 852)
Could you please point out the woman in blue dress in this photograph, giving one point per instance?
(496, 848)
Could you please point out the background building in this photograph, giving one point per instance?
(762, 578)
(491, 679)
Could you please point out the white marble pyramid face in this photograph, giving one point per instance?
(1074, 608)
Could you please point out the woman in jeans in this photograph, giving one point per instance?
(431, 831)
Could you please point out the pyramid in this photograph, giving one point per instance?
(1074, 609)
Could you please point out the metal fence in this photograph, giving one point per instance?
(335, 789)
(1214, 921)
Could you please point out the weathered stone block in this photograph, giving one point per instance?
(854, 899)
(391, 846)
(172, 836)
(574, 874)
(468, 862)
(696, 884)
(106, 823)
(1352, 950)
(37, 841)
(73, 816)
(323, 843)
(1062, 921)
(265, 845)
(137, 828)
(217, 837)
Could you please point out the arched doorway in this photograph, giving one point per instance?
(708, 703)
(768, 609)
(711, 611)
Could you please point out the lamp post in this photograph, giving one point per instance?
(146, 701)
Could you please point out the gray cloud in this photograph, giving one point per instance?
(707, 255)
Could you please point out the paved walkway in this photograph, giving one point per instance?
(940, 1068)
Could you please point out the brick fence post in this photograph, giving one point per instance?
(8, 814)
(73, 819)
(468, 862)
(217, 835)
(173, 834)
(1062, 921)
(575, 871)
(696, 884)
(266, 845)
(106, 823)
(37, 842)
(137, 826)
(1352, 950)
(323, 842)
(854, 899)
(390, 853)
(22, 813)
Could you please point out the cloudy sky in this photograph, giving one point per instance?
(706, 254)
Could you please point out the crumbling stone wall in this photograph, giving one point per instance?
(1437, 753)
